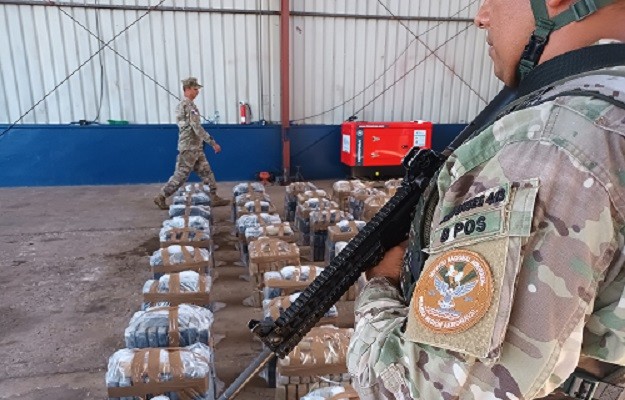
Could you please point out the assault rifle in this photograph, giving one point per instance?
(387, 229)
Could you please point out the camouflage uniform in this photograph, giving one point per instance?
(554, 240)
(191, 155)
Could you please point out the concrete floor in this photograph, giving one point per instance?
(72, 264)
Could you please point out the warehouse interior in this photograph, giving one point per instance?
(88, 136)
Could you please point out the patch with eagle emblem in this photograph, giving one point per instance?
(454, 292)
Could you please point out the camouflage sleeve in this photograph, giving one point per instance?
(201, 132)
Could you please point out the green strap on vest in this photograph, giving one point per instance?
(545, 26)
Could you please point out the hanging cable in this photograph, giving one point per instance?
(149, 10)
(97, 27)
(389, 66)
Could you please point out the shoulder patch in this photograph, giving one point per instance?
(454, 292)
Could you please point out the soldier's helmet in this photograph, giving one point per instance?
(190, 82)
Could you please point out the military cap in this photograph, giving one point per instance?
(190, 82)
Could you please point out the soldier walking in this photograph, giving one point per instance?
(191, 155)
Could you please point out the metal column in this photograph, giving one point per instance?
(285, 88)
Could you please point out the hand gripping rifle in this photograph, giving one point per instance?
(388, 228)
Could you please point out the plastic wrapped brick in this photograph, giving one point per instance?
(180, 258)
(356, 201)
(247, 187)
(175, 326)
(322, 351)
(177, 288)
(373, 204)
(185, 237)
(190, 222)
(292, 278)
(193, 199)
(272, 307)
(268, 254)
(180, 210)
(331, 393)
(258, 206)
(250, 220)
(296, 188)
(178, 373)
(281, 231)
(194, 188)
(241, 199)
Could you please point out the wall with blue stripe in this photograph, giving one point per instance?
(59, 155)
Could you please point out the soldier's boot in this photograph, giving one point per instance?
(159, 200)
(217, 201)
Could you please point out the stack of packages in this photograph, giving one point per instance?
(268, 254)
(356, 200)
(307, 203)
(342, 190)
(320, 219)
(373, 204)
(169, 348)
(252, 208)
(318, 361)
(290, 198)
(339, 235)
(253, 190)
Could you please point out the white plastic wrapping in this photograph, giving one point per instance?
(178, 210)
(251, 220)
(190, 284)
(326, 393)
(168, 234)
(194, 222)
(345, 225)
(154, 327)
(247, 187)
(303, 273)
(197, 365)
(282, 229)
(196, 199)
(176, 255)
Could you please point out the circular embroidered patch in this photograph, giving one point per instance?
(454, 292)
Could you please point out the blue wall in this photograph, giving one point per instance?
(50, 155)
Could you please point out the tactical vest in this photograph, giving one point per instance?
(579, 385)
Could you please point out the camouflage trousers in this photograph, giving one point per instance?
(186, 162)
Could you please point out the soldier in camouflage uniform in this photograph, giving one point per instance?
(524, 285)
(191, 155)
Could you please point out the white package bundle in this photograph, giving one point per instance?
(296, 188)
(170, 233)
(177, 288)
(282, 230)
(256, 206)
(176, 326)
(193, 199)
(247, 187)
(274, 279)
(178, 373)
(346, 226)
(180, 210)
(241, 199)
(332, 392)
(249, 220)
(194, 188)
(193, 222)
(180, 258)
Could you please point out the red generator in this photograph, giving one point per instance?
(376, 149)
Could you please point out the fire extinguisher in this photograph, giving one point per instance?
(244, 113)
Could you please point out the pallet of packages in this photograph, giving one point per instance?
(178, 288)
(267, 254)
(181, 258)
(290, 198)
(177, 372)
(320, 358)
(174, 326)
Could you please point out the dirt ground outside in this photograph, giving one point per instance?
(73, 261)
